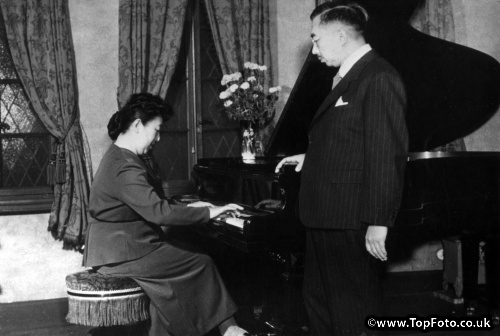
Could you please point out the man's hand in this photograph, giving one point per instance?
(295, 159)
(375, 241)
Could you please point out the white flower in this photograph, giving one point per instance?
(230, 78)
(250, 65)
(225, 79)
(244, 89)
(275, 89)
(224, 94)
(236, 76)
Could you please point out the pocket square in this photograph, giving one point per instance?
(340, 102)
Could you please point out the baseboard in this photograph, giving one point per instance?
(33, 313)
(57, 301)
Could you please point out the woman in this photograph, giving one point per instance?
(125, 236)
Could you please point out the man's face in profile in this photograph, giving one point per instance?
(327, 42)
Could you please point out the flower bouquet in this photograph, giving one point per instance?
(245, 101)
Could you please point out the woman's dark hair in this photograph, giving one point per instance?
(345, 11)
(143, 106)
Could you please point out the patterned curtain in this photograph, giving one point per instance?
(149, 43)
(435, 18)
(41, 45)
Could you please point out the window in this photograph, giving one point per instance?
(198, 128)
(24, 145)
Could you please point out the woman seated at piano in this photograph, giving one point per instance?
(125, 236)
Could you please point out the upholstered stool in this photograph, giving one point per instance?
(104, 301)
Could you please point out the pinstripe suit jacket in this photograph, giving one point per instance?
(354, 165)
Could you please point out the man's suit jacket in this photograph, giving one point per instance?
(126, 211)
(354, 165)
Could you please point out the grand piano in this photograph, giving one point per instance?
(452, 91)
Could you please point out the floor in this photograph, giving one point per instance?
(408, 293)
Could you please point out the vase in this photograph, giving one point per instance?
(248, 144)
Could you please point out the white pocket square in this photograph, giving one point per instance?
(340, 102)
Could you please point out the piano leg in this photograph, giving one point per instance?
(470, 262)
(492, 263)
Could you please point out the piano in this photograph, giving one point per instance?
(452, 91)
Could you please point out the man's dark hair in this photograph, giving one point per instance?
(348, 12)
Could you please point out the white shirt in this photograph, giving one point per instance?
(353, 58)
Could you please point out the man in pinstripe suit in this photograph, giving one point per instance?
(352, 174)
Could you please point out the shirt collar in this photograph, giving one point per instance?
(353, 58)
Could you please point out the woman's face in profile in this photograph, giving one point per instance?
(149, 134)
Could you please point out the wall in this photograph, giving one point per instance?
(33, 265)
(290, 47)
(293, 40)
(95, 37)
(479, 26)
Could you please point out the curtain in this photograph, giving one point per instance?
(241, 30)
(149, 43)
(435, 18)
(41, 45)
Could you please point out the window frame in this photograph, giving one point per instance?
(23, 200)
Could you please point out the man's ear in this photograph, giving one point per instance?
(343, 36)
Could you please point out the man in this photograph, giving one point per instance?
(352, 174)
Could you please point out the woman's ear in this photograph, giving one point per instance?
(136, 124)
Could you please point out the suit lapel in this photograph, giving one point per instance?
(343, 85)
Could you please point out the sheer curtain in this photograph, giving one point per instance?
(40, 42)
(149, 42)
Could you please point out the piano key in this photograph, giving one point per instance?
(238, 222)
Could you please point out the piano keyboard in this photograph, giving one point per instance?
(238, 222)
(244, 216)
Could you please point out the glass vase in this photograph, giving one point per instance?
(248, 144)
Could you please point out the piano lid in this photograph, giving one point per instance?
(452, 89)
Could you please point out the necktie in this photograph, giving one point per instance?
(336, 80)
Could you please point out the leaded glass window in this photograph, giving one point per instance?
(24, 141)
